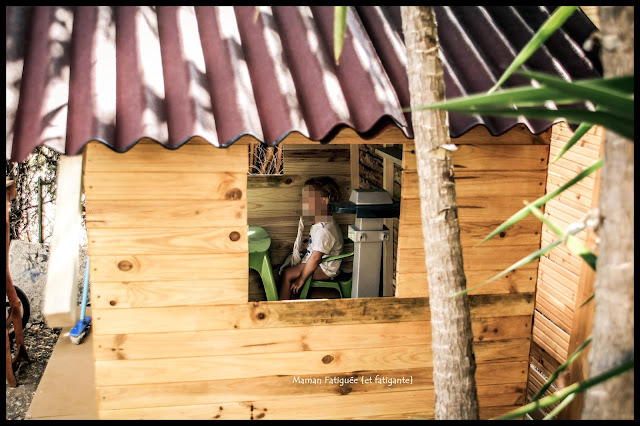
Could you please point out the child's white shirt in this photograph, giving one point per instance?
(326, 237)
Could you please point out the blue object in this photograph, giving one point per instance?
(79, 331)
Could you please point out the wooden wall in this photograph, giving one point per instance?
(564, 280)
(174, 335)
(493, 176)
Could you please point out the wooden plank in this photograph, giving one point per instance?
(519, 281)
(165, 186)
(132, 241)
(502, 372)
(289, 314)
(355, 406)
(488, 413)
(501, 350)
(388, 248)
(154, 294)
(517, 135)
(261, 315)
(269, 387)
(256, 341)
(176, 267)
(156, 158)
(510, 331)
(123, 372)
(494, 157)
(553, 206)
(476, 258)
(470, 209)
(60, 293)
(283, 387)
(527, 184)
(165, 213)
(288, 146)
(524, 233)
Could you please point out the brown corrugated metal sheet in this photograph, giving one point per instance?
(169, 73)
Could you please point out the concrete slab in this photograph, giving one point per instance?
(67, 389)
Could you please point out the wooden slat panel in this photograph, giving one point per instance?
(552, 331)
(562, 294)
(524, 233)
(165, 186)
(555, 311)
(527, 184)
(175, 267)
(123, 372)
(488, 413)
(543, 360)
(493, 157)
(554, 206)
(132, 241)
(502, 372)
(561, 275)
(520, 281)
(314, 407)
(541, 338)
(154, 157)
(165, 213)
(476, 258)
(153, 294)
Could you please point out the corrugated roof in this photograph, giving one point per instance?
(169, 73)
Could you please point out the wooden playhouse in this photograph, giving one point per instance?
(181, 328)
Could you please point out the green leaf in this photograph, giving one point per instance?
(580, 132)
(563, 393)
(623, 127)
(554, 22)
(560, 407)
(573, 244)
(587, 301)
(611, 100)
(522, 213)
(529, 258)
(339, 30)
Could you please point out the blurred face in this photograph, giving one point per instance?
(313, 203)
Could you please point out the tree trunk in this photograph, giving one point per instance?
(613, 330)
(452, 340)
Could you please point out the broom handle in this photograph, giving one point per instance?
(85, 290)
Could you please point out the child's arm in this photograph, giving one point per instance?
(312, 263)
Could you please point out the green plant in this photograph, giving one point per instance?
(614, 109)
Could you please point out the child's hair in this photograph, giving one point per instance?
(326, 186)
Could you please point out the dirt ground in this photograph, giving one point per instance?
(39, 341)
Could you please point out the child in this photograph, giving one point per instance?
(325, 238)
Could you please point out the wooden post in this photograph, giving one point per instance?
(387, 251)
(60, 297)
(582, 317)
(354, 158)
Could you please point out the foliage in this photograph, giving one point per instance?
(41, 165)
(614, 110)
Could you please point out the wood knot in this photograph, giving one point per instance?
(113, 302)
(125, 265)
(503, 234)
(234, 236)
(261, 315)
(327, 359)
(233, 194)
(288, 181)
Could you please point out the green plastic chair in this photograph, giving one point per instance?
(260, 261)
(342, 283)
